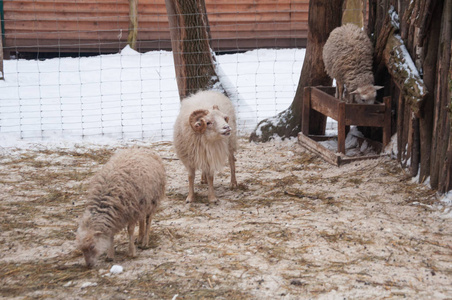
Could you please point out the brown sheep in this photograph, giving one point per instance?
(347, 56)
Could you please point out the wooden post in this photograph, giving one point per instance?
(387, 124)
(341, 134)
(133, 24)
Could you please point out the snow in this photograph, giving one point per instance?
(447, 199)
(352, 146)
(130, 95)
(409, 64)
(394, 17)
(116, 269)
(88, 284)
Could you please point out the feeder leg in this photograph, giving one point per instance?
(341, 129)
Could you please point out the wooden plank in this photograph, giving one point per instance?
(324, 103)
(365, 115)
(330, 90)
(93, 45)
(309, 143)
(248, 38)
(318, 149)
(31, 24)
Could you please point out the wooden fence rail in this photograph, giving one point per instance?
(103, 25)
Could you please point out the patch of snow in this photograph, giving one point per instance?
(116, 269)
(88, 284)
(127, 50)
(391, 148)
(394, 17)
(409, 66)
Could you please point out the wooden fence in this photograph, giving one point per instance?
(101, 26)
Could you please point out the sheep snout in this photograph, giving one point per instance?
(226, 130)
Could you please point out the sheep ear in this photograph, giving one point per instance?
(354, 92)
(378, 87)
(216, 107)
(197, 121)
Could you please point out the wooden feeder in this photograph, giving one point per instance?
(321, 99)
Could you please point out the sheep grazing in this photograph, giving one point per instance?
(128, 189)
(347, 55)
(204, 136)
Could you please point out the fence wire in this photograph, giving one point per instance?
(69, 72)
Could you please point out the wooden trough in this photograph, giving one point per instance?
(321, 99)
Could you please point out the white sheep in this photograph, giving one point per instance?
(347, 56)
(204, 136)
(128, 189)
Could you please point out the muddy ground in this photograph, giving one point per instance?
(296, 228)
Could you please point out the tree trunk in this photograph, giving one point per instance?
(133, 24)
(425, 141)
(430, 53)
(441, 165)
(324, 16)
(190, 41)
(353, 12)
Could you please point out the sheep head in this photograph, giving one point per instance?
(212, 123)
(92, 244)
(366, 94)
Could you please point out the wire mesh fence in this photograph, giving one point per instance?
(69, 72)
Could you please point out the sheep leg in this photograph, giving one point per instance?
(145, 229)
(232, 167)
(131, 229)
(111, 250)
(211, 193)
(340, 89)
(191, 186)
(141, 230)
(203, 178)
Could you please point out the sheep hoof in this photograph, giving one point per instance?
(214, 201)
(143, 246)
(233, 185)
(189, 200)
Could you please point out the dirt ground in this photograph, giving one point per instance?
(296, 228)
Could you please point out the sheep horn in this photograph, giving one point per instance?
(197, 121)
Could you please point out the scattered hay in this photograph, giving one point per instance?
(295, 227)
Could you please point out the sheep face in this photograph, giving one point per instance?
(366, 94)
(92, 244)
(213, 124)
